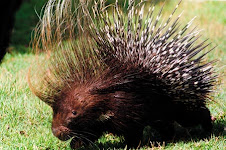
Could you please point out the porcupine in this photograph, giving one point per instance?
(120, 74)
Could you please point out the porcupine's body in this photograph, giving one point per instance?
(125, 74)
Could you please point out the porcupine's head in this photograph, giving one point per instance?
(67, 72)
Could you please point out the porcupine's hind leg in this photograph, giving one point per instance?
(200, 116)
(205, 117)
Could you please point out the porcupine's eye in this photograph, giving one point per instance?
(74, 113)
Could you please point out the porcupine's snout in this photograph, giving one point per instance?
(61, 132)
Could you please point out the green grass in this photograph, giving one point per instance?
(25, 121)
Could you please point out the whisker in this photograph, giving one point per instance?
(86, 133)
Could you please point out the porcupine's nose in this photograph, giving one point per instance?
(61, 132)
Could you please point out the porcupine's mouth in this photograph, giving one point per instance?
(61, 133)
(63, 137)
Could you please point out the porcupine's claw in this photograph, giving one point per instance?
(213, 118)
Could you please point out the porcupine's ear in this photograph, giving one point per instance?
(65, 53)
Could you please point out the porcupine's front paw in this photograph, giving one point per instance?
(76, 143)
(133, 138)
(166, 130)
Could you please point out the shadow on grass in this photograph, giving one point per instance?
(196, 134)
(186, 135)
(19, 49)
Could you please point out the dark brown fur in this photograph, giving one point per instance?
(123, 109)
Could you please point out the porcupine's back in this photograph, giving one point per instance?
(159, 59)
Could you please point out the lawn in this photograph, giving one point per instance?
(25, 121)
